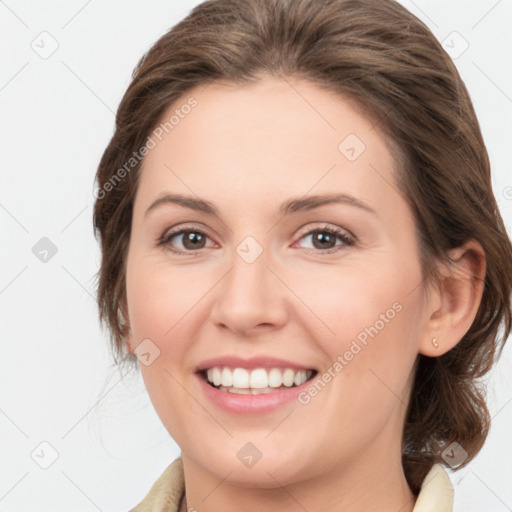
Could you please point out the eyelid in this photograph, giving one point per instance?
(328, 227)
(345, 235)
(175, 231)
(347, 238)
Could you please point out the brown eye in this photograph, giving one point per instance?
(191, 240)
(324, 239)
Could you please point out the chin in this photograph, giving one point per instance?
(266, 467)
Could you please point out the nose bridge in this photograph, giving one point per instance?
(248, 276)
(249, 294)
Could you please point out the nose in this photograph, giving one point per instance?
(250, 298)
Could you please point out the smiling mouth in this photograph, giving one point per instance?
(257, 381)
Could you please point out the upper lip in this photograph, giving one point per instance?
(252, 362)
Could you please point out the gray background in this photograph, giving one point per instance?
(64, 68)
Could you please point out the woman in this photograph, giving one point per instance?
(302, 253)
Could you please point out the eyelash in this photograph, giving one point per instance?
(165, 239)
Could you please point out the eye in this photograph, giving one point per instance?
(192, 239)
(324, 239)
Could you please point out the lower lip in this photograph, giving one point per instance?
(250, 404)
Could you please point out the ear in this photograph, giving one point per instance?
(453, 305)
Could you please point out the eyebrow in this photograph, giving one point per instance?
(289, 206)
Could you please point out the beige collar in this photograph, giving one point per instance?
(436, 493)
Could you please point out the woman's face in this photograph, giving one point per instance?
(261, 280)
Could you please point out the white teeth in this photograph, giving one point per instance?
(239, 391)
(288, 376)
(300, 377)
(216, 376)
(259, 379)
(240, 378)
(256, 381)
(275, 379)
(246, 391)
(227, 377)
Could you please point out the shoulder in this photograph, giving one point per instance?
(165, 494)
(436, 493)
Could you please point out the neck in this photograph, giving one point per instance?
(368, 485)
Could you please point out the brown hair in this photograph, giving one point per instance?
(387, 61)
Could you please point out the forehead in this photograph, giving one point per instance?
(257, 140)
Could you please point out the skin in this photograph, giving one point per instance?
(246, 149)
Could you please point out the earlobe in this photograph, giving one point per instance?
(454, 304)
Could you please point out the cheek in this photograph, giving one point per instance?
(160, 299)
(159, 296)
(369, 330)
(367, 376)
(348, 300)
